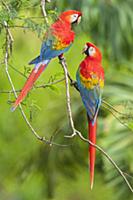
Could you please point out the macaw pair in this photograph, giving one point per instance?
(90, 75)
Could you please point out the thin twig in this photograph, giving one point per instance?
(37, 87)
(112, 107)
(124, 124)
(114, 112)
(8, 91)
(43, 4)
(5, 23)
(64, 66)
(51, 83)
(130, 176)
(19, 72)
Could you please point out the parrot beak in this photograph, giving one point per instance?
(84, 50)
(79, 20)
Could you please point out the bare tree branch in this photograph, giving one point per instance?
(117, 114)
(43, 4)
(64, 66)
(116, 117)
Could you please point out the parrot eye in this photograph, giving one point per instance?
(74, 18)
(91, 51)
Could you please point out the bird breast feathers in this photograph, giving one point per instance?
(92, 80)
(63, 36)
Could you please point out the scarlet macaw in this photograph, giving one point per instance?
(90, 82)
(59, 39)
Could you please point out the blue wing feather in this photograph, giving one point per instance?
(47, 53)
(91, 99)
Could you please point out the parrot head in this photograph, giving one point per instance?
(92, 51)
(71, 16)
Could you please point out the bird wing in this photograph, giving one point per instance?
(59, 38)
(91, 91)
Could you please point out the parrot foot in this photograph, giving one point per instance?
(61, 58)
(74, 84)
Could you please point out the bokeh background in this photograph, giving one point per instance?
(30, 169)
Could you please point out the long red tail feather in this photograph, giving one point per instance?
(28, 85)
(92, 150)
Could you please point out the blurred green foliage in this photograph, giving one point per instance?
(32, 170)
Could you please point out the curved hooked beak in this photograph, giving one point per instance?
(84, 50)
(79, 19)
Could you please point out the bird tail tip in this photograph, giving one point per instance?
(92, 151)
(91, 183)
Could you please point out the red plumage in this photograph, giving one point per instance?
(92, 150)
(62, 31)
(88, 66)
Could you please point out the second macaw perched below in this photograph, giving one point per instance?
(59, 39)
(90, 82)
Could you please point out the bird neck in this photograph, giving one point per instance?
(64, 23)
(93, 59)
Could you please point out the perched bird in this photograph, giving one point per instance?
(58, 40)
(90, 82)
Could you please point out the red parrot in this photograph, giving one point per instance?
(58, 40)
(90, 82)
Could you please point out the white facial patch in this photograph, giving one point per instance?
(74, 18)
(92, 51)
